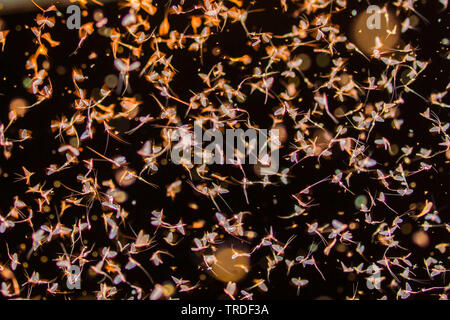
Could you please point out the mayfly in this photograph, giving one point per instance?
(124, 67)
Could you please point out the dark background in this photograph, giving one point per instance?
(38, 154)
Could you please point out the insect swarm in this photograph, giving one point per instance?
(91, 116)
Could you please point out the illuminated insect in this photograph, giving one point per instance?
(124, 67)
